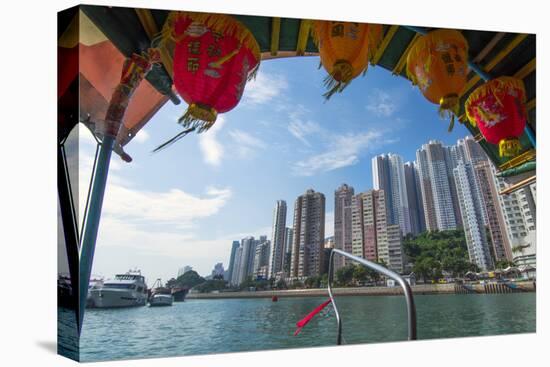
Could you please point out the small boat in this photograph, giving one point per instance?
(160, 295)
(179, 294)
(125, 290)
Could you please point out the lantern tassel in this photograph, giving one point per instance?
(509, 147)
(339, 79)
(174, 139)
(448, 108)
(199, 116)
(253, 73)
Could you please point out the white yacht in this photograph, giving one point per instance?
(160, 295)
(125, 290)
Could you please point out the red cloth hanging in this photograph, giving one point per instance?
(303, 322)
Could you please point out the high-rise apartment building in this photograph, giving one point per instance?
(278, 240)
(414, 197)
(218, 270)
(236, 275)
(388, 174)
(471, 208)
(234, 246)
(246, 268)
(395, 248)
(261, 259)
(433, 155)
(342, 222)
(501, 249)
(372, 237)
(426, 189)
(307, 256)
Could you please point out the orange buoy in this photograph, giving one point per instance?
(274, 299)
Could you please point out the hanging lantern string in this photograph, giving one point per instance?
(174, 139)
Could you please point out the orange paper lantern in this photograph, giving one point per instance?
(345, 49)
(438, 64)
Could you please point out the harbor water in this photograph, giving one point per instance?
(235, 325)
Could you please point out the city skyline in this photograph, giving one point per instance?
(475, 182)
(363, 224)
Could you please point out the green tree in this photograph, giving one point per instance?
(313, 282)
(344, 275)
(211, 285)
(438, 252)
(281, 284)
(324, 280)
(360, 273)
(188, 280)
(503, 264)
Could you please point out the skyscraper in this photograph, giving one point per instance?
(309, 235)
(278, 239)
(443, 206)
(234, 248)
(501, 249)
(289, 238)
(246, 268)
(395, 248)
(218, 270)
(237, 273)
(471, 208)
(342, 222)
(426, 189)
(414, 196)
(261, 259)
(370, 238)
(388, 174)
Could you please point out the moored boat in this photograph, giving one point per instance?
(179, 294)
(160, 295)
(125, 290)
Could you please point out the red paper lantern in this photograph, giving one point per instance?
(214, 57)
(498, 109)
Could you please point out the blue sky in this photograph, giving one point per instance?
(185, 204)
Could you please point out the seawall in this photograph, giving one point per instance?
(450, 288)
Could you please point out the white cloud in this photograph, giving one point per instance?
(242, 137)
(381, 103)
(174, 208)
(212, 150)
(343, 150)
(141, 136)
(265, 88)
(299, 126)
(246, 144)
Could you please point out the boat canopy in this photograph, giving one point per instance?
(109, 34)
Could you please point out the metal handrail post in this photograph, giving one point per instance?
(411, 308)
(92, 221)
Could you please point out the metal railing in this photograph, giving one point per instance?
(411, 310)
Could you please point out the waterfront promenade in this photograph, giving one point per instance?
(450, 288)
